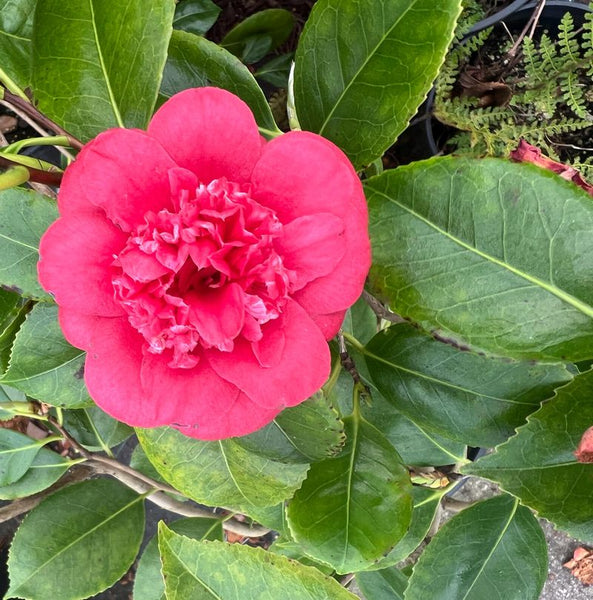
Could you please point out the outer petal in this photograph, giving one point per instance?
(320, 179)
(122, 171)
(75, 257)
(239, 418)
(301, 370)
(329, 324)
(210, 132)
(112, 373)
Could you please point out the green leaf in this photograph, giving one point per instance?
(13, 309)
(47, 467)
(426, 503)
(416, 445)
(471, 551)
(219, 473)
(308, 432)
(195, 16)
(276, 70)
(214, 570)
(16, 25)
(17, 453)
(95, 429)
(91, 534)
(488, 251)
(273, 517)
(364, 66)
(290, 549)
(256, 47)
(148, 581)
(387, 584)
(97, 66)
(538, 464)
(354, 508)
(24, 217)
(44, 365)
(360, 321)
(274, 23)
(195, 62)
(467, 397)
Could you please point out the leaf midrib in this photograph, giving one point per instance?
(436, 381)
(494, 547)
(554, 290)
(363, 66)
(40, 373)
(188, 570)
(112, 100)
(77, 540)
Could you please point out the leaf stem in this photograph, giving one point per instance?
(270, 134)
(11, 85)
(51, 140)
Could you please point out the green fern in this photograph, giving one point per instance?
(550, 97)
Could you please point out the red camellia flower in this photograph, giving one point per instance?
(203, 269)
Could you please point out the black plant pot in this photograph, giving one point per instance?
(514, 17)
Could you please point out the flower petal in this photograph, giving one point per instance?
(312, 246)
(329, 324)
(122, 171)
(76, 254)
(321, 179)
(217, 314)
(301, 370)
(112, 376)
(210, 132)
(238, 418)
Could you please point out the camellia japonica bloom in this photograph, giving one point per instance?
(202, 268)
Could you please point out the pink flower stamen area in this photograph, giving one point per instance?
(204, 273)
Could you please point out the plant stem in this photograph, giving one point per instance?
(157, 491)
(30, 110)
(45, 177)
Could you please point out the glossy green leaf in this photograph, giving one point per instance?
(488, 251)
(47, 467)
(93, 528)
(148, 581)
(195, 16)
(196, 62)
(214, 570)
(387, 584)
(290, 549)
(426, 503)
(95, 429)
(12, 313)
(219, 473)
(274, 23)
(273, 517)
(493, 541)
(364, 66)
(44, 365)
(276, 70)
(24, 217)
(96, 67)
(17, 453)
(467, 397)
(16, 26)
(308, 432)
(354, 508)
(415, 444)
(360, 321)
(538, 464)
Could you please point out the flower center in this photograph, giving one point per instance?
(202, 274)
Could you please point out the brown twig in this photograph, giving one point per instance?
(32, 111)
(380, 310)
(158, 491)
